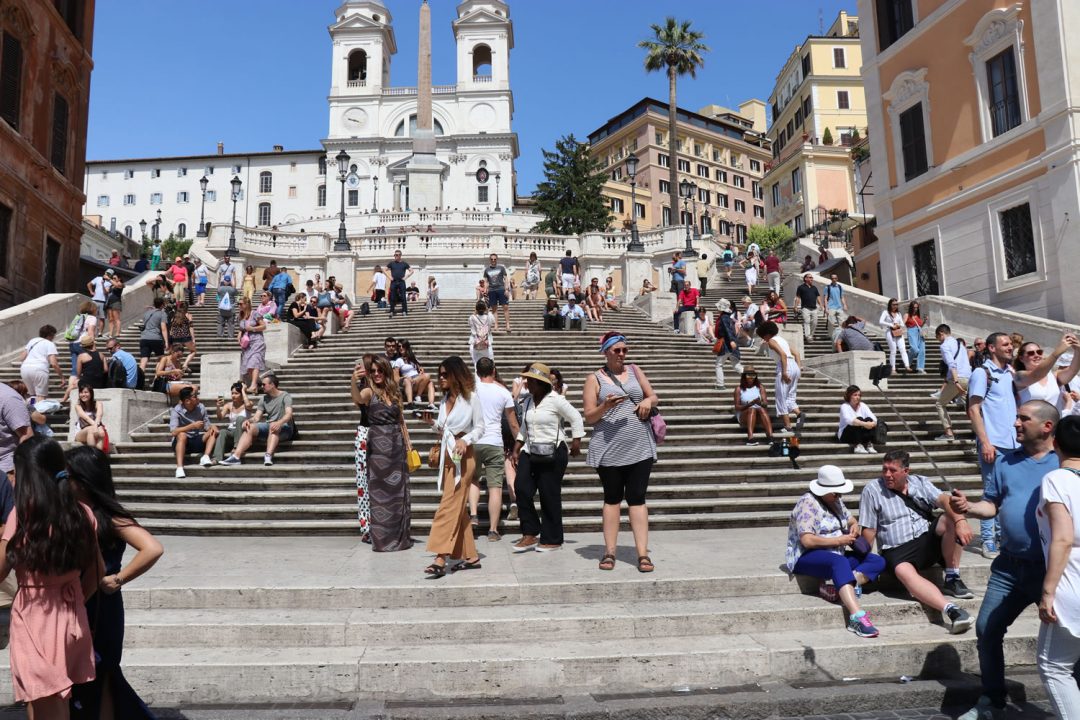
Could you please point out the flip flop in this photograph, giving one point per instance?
(435, 571)
(465, 565)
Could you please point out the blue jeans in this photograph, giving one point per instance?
(989, 530)
(1015, 583)
(916, 348)
(840, 568)
(76, 350)
(279, 300)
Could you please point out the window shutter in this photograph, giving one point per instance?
(60, 133)
(11, 80)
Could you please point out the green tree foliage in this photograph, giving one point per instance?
(677, 50)
(826, 137)
(170, 248)
(768, 236)
(570, 196)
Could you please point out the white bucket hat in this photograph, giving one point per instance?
(830, 479)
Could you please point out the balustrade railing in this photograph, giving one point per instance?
(357, 83)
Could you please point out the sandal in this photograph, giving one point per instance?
(474, 520)
(607, 562)
(494, 536)
(645, 565)
(466, 565)
(435, 571)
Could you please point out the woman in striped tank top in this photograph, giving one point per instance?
(618, 403)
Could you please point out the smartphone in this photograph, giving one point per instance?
(421, 413)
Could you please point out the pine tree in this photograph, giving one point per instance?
(826, 137)
(570, 197)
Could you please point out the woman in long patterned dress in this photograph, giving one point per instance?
(253, 356)
(389, 503)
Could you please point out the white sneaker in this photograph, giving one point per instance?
(870, 449)
(180, 473)
(935, 395)
(205, 461)
(859, 450)
(268, 459)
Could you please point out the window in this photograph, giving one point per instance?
(838, 58)
(703, 171)
(913, 142)
(796, 180)
(755, 166)
(759, 211)
(704, 196)
(926, 274)
(807, 106)
(264, 213)
(776, 195)
(5, 238)
(806, 65)
(740, 206)
(322, 164)
(738, 181)
(103, 200)
(211, 196)
(740, 233)
(721, 176)
(756, 190)
(664, 160)
(155, 173)
(706, 225)
(617, 205)
(292, 166)
(666, 213)
(181, 172)
(209, 170)
(798, 225)
(235, 169)
(354, 198)
(292, 192)
(104, 174)
(128, 174)
(320, 196)
(842, 100)
(399, 131)
(665, 187)
(1017, 240)
(798, 117)
(52, 265)
(155, 198)
(1004, 93)
(181, 230)
(481, 193)
(266, 181)
(128, 230)
(722, 200)
(616, 174)
(684, 166)
(716, 156)
(659, 138)
(182, 196)
(699, 151)
(639, 210)
(129, 199)
(894, 19)
(11, 62)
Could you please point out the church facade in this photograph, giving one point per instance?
(472, 144)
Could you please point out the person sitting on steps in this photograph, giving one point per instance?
(272, 421)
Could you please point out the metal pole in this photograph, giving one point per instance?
(202, 216)
(635, 240)
(342, 243)
(232, 230)
(689, 241)
(375, 195)
(693, 219)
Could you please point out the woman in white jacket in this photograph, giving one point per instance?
(892, 322)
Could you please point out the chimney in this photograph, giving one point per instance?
(279, 148)
(221, 148)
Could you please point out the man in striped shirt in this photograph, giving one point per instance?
(898, 510)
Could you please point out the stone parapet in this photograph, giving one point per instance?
(124, 411)
(217, 372)
(659, 306)
(848, 368)
(282, 340)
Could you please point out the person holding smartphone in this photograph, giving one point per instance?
(236, 410)
(750, 403)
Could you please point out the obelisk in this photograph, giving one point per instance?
(425, 170)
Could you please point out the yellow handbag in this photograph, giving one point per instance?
(412, 459)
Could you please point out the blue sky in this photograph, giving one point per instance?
(174, 78)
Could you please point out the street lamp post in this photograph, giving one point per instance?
(342, 242)
(635, 240)
(685, 190)
(693, 213)
(375, 194)
(235, 183)
(142, 228)
(497, 176)
(203, 182)
(157, 226)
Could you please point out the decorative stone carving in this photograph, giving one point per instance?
(506, 157)
(907, 88)
(15, 18)
(996, 26)
(458, 158)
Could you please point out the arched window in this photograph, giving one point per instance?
(481, 62)
(400, 130)
(181, 230)
(322, 164)
(357, 67)
(264, 213)
(266, 181)
(321, 202)
(127, 231)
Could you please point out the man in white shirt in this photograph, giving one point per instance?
(378, 287)
(573, 313)
(227, 269)
(957, 368)
(99, 289)
(497, 403)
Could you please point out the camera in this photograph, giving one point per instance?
(880, 372)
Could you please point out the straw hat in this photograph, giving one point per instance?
(538, 371)
(830, 479)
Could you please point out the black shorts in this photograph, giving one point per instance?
(380, 295)
(195, 445)
(922, 552)
(148, 348)
(497, 298)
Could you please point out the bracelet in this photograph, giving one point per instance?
(119, 580)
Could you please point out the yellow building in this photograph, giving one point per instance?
(723, 152)
(818, 111)
(972, 110)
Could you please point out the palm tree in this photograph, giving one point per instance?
(677, 49)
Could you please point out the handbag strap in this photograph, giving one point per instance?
(923, 512)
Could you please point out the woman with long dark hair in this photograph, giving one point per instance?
(460, 424)
(415, 379)
(751, 403)
(90, 414)
(49, 540)
(109, 695)
(914, 321)
(892, 323)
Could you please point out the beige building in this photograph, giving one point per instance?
(974, 135)
(722, 151)
(818, 110)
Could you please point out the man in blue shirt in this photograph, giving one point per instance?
(1016, 576)
(835, 304)
(277, 288)
(126, 359)
(677, 271)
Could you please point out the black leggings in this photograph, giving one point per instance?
(857, 435)
(625, 482)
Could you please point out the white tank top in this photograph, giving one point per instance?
(787, 356)
(1047, 390)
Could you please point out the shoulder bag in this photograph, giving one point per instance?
(656, 420)
(538, 452)
(412, 457)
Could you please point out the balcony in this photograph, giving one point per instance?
(357, 83)
(481, 79)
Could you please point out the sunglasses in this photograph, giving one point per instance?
(619, 351)
(1037, 353)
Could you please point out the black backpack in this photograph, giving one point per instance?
(365, 309)
(117, 375)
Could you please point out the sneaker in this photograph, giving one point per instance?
(751, 442)
(513, 514)
(946, 438)
(859, 450)
(180, 474)
(957, 619)
(989, 551)
(935, 395)
(268, 459)
(870, 449)
(984, 710)
(205, 461)
(800, 420)
(547, 548)
(920, 371)
(525, 544)
(862, 626)
(784, 431)
(956, 587)
(828, 592)
(231, 460)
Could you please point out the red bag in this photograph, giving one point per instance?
(105, 445)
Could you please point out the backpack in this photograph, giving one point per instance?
(482, 332)
(117, 375)
(225, 302)
(290, 290)
(325, 301)
(729, 256)
(75, 328)
(365, 309)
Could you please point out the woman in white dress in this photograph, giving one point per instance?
(788, 371)
(751, 265)
(481, 332)
(1052, 388)
(892, 322)
(533, 273)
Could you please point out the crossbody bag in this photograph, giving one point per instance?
(538, 452)
(656, 420)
